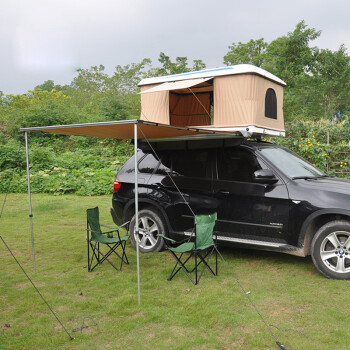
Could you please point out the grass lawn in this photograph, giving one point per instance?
(287, 290)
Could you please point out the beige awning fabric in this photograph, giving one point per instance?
(124, 130)
(175, 85)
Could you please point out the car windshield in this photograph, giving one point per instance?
(290, 163)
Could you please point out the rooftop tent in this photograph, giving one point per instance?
(233, 98)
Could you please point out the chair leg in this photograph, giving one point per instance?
(178, 262)
(113, 250)
(96, 253)
(106, 258)
(88, 244)
(93, 254)
(98, 249)
(182, 266)
(196, 267)
(206, 263)
(99, 261)
(124, 253)
(126, 261)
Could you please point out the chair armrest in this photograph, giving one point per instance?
(167, 238)
(108, 233)
(172, 240)
(115, 227)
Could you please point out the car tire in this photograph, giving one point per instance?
(330, 250)
(151, 224)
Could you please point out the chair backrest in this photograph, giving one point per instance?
(93, 220)
(204, 230)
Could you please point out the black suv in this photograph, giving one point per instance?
(266, 197)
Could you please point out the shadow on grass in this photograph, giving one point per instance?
(255, 257)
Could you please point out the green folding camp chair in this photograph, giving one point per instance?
(95, 236)
(201, 245)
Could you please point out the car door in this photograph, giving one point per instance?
(247, 209)
(189, 184)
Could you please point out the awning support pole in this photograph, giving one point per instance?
(137, 215)
(30, 199)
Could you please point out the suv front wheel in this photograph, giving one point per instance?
(150, 225)
(330, 249)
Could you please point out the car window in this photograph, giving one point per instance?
(148, 164)
(165, 164)
(190, 163)
(290, 163)
(236, 165)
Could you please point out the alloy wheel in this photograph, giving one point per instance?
(335, 251)
(147, 235)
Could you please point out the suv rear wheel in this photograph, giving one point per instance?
(150, 225)
(330, 250)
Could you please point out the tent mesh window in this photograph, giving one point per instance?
(270, 104)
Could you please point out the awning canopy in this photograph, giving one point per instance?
(124, 129)
(176, 85)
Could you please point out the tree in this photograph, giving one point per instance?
(50, 85)
(252, 52)
(37, 108)
(290, 56)
(91, 80)
(328, 86)
(179, 66)
(125, 79)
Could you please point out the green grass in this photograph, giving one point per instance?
(287, 290)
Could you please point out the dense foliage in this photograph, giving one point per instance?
(318, 89)
(322, 144)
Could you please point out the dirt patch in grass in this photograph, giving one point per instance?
(21, 285)
(24, 285)
(137, 315)
(5, 326)
(150, 335)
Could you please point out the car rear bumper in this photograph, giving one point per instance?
(117, 213)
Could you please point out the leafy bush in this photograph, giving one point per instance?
(63, 167)
(310, 140)
(12, 154)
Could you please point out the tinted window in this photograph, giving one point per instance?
(270, 104)
(186, 163)
(148, 164)
(237, 165)
(165, 165)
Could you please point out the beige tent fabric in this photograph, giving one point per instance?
(155, 107)
(175, 85)
(240, 101)
(262, 86)
(187, 110)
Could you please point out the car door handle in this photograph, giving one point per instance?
(224, 192)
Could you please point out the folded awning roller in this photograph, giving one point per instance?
(124, 129)
(176, 85)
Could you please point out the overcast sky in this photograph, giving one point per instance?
(48, 40)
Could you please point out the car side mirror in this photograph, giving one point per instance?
(265, 176)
